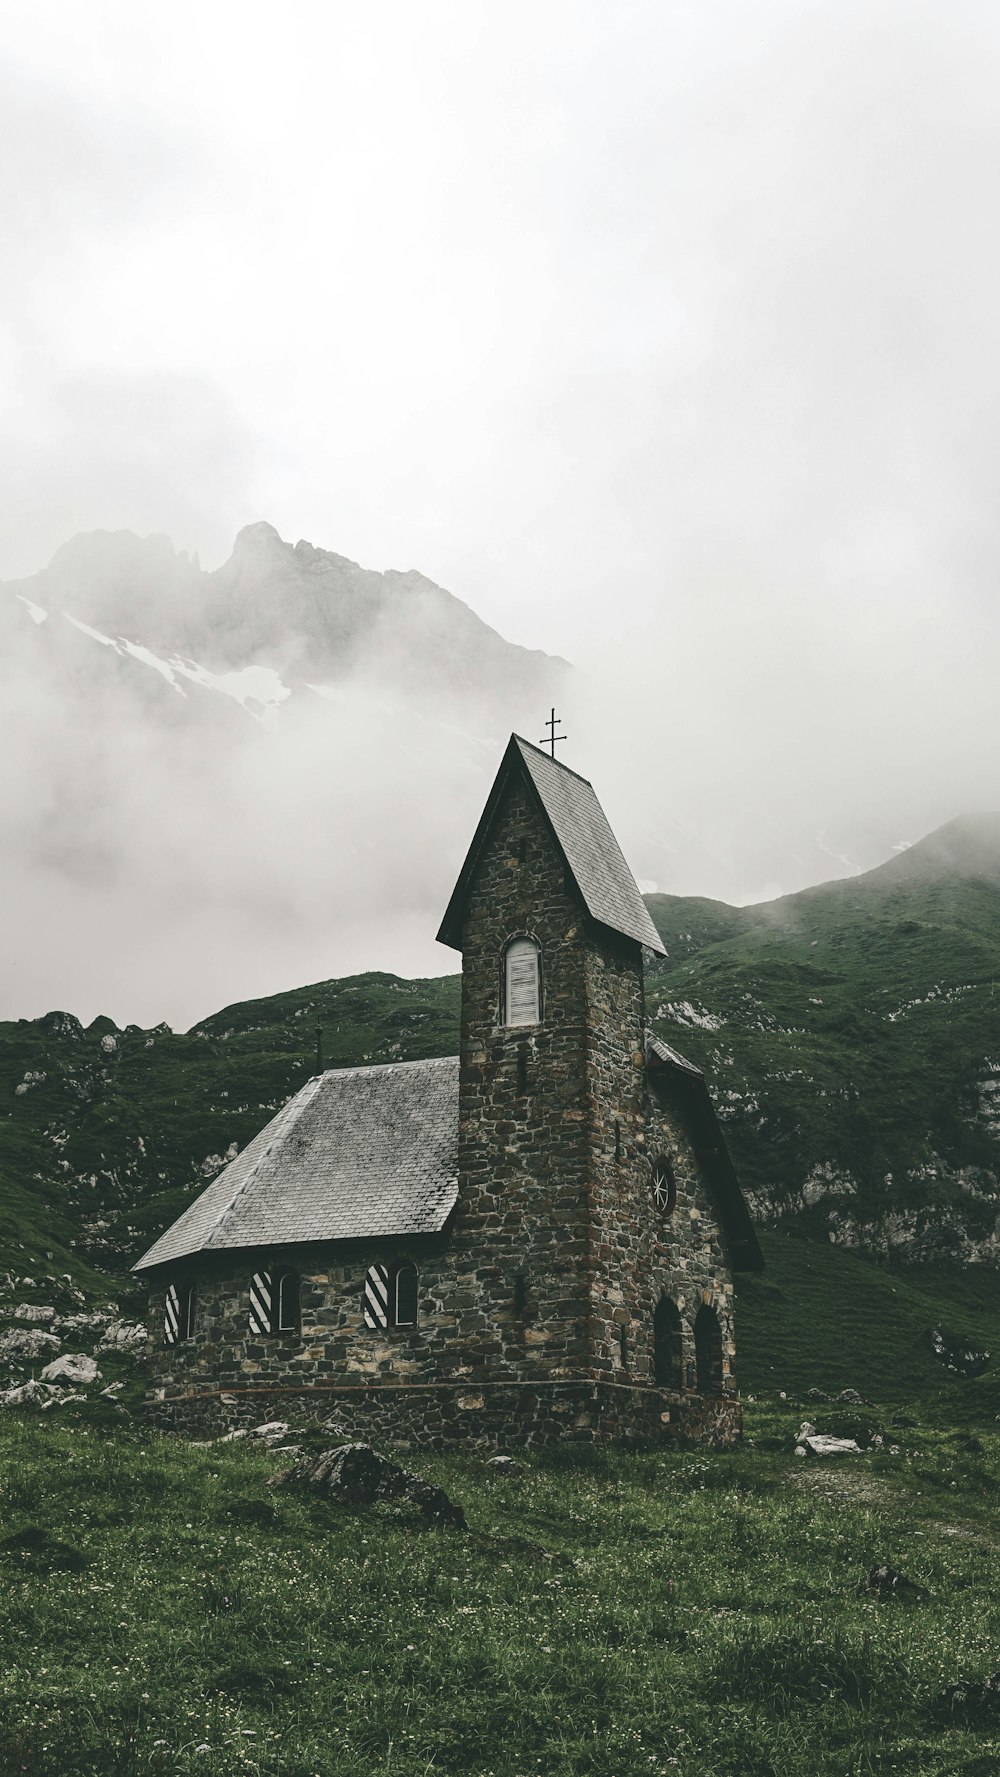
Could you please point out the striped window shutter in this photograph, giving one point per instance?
(261, 1313)
(376, 1296)
(172, 1316)
(522, 982)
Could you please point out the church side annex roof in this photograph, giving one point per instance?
(589, 849)
(358, 1153)
(711, 1150)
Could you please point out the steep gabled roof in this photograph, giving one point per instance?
(358, 1153)
(710, 1149)
(588, 847)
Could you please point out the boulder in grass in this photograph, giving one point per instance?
(75, 1368)
(971, 1700)
(42, 1317)
(503, 1465)
(820, 1445)
(31, 1394)
(884, 1581)
(275, 1431)
(357, 1475)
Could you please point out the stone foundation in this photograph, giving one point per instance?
(453, 1416)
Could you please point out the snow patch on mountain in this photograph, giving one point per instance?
(257, 689)
(34, 611)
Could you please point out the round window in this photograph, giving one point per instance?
(664, 1185)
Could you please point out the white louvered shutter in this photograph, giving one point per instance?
(261, 1312)
(522, 982)
(376, 1296)
(172, 1316)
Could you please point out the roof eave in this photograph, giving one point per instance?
(450, 930)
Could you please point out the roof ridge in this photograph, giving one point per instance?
(551, 759)
(385, 1067)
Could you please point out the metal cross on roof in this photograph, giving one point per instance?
(549, 740)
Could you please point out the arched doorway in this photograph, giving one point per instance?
(668, 1345)
(708, 1351)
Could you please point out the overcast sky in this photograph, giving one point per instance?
(664, 334)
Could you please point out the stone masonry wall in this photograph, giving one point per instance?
(496, 1415)
(686, 1256)
(523, 1154)
(639, 1253)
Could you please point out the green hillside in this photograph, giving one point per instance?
(850, 1035)
(106, 1134)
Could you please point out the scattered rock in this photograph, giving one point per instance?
(853, 1398)
(25, 1345)
(884, 1581)
(79, 1325)
(114, 1389)
(275, 1431)
(817, 1394)
(75, 1368)
(972, 1698)
(28, 1311)
(957, 1354)
(123, 1335)
(358, 1475)
(969, 1442)
(503, 1465)
(819, 1445)
(31, 1394)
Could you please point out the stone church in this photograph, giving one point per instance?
(532, 1240)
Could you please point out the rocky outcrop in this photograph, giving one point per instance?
(26, 1345)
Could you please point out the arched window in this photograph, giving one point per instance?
(406, 1296)
(668, 1345)
(522, 983)
(389, 1297)
(274, 1302)
(708, 1351)
(288, 1302)
(179, 1313)
(664, 1185)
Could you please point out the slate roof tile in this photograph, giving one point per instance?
(590, 849)
(358, 1153)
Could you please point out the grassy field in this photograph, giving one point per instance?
(164, 1610)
